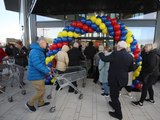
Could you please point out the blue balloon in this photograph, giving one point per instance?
(89, 22)
(98, 16)
(49, 64)
(108, 23)
(47, 82)
(55, 41)
(98, 30)
(77, 30)
(104, 18)
(124, 32)
(66, 28)
(59, 40)
(132, 86)
(134, 42)
(110, 29)
(83, 20)
(54, 51)
(135, 82)
(94, 26)
(70, 39)
(59, 49)
(111, 33)
(139, 59)
(83, 32)
(123, 38)
(64, 39)
(50, 53)
(47, 54)
(71, 28)
(119, 22)
(133, 47)
(122, 26)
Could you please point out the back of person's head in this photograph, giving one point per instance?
(76, 45)
(101, 48)
(121, 45)
(42, 42)
(65, 48)
(148, 47)
(90, 43)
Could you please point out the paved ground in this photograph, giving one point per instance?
(93, 106)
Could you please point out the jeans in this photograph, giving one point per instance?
(105, 87)
(39, 86)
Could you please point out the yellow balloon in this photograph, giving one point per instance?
(76, 35)
(136, 73)
(60, 34)
(133, 77)
(47, 60)
(129, 34)
(64, 33)
(140, 63)
(98, 21)
(70, 34)
(102, 26)
(105, 31)
(128, 45)
(53, 80)
(93, 19)
(129, 40)
(139, 68)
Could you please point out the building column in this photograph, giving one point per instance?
(157, 30)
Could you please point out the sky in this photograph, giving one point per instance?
(9, 23)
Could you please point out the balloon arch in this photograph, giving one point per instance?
(99, 24)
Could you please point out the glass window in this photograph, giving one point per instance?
(43, 18)
(143, 35)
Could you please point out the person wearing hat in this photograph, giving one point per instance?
(75, 56)
(121, 62)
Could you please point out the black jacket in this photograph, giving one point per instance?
(20, 56)
(75, 56)
(150, 65)
(121, 62)
(90, 51)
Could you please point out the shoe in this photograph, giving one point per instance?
(113, 114)
(71, 91)
(75, 92)
(111, 104)
(30, 108)
(45, 104)
(22, 83)
(149, 100)
(137, 103)
(105, 94)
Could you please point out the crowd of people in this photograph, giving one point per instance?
(113, 69)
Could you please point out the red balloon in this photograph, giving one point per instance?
(51, 47)
(54, 46)
(85, 27)
(79, 25)
(113, 21)
(135, 56)
(108, 18)
(117, 32)
(117, 38)
(90, 30)
(65, 43)
(137, 50)
(116, 27)
(59, 45)
(138, 86)
(136, 45)
(74, 23)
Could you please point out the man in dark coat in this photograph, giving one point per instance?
(121, 62)
(90, 51)
(75, 56)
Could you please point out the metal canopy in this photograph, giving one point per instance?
(64, 7)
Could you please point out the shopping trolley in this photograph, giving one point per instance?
(13, 75)
(71, 74)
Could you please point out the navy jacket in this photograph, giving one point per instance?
(36, 63)
(121, 62)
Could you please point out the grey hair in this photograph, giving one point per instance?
(41, 39)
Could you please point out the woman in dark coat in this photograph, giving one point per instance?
(20, 53)
(149, 73)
